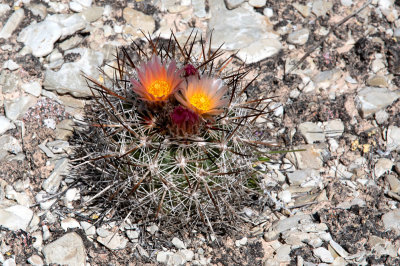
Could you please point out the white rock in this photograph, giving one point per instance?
(16, 217)
(323, 254)
(321, 7)
(68, 249)
(138, 20)
(69, 223)
(339, 249)
(187, 254)
(178, 243)
(51, 184)
(76, 7)
(382, 166)
(393, 138)
(259, 50)
(231, 4)
(391, 220)
(40, 37)
(4, 8)
(38, 242)
(346, 2)
(285, 196)
(299, 36)
(268, 12)
(49, 123)
(12, 23)
(257, 3)
(88, 228)
(372, 99)
(69, 78)
(5, 125)
(15, 108)
(163, 256)
(152, 229)
(199, 8)
(241, 242)
(381, 117)
(11, 65)
(242, 29)
(9, 262)
(35, 260)
(312, 132)
(113, 241)
(10, 144)
(85, 3)
(333, 128)
(33, 88)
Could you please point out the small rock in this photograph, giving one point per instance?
(289, 223)
(323, 254)
(268, 12)
(199, 8)
(76, 7)
(38, 10)
(312, 132)
(382, 166)
(11, 65)
(33, 88)
(35, 260)
(4, 8)
(259, 50)
(372, 99)
(132, 235)
(9, 262)
(68, 249)
(283, 253)
(138, 21)
(187, 254)
(64, 129)
(12, 23)
(58, 146)
(69, 223)
(321, 7)
(241, 242)
(5, 125)
(343, 253)
(16, 217)
(394, 183)
(88, 228)
(113, 241)
(310, 158)
(69, 78)
(393, 138)
(391, 220)
(299, 36)
(305, 11)
(231, 4)
(38, 243)
(325, 79)
(333, 128)
(178, 243)
(16, 108)
(285, 196)
(92, 14)
(258, 3)
(381, 117)
(10, 144)
(51, 184)
(152, 229)
(163, 256)
(176, 259)
(377, 81)
(271, 235)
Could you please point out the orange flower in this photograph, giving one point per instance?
(203, 96)
(156, 81)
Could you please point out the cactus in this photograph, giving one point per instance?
(170, 137)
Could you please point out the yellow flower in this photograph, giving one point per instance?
(203, 96)
(156, 81)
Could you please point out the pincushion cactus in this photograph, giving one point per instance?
(171, 136)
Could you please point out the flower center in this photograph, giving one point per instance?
(159, 88)
(200, 101)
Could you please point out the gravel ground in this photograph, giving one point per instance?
(333, 68)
